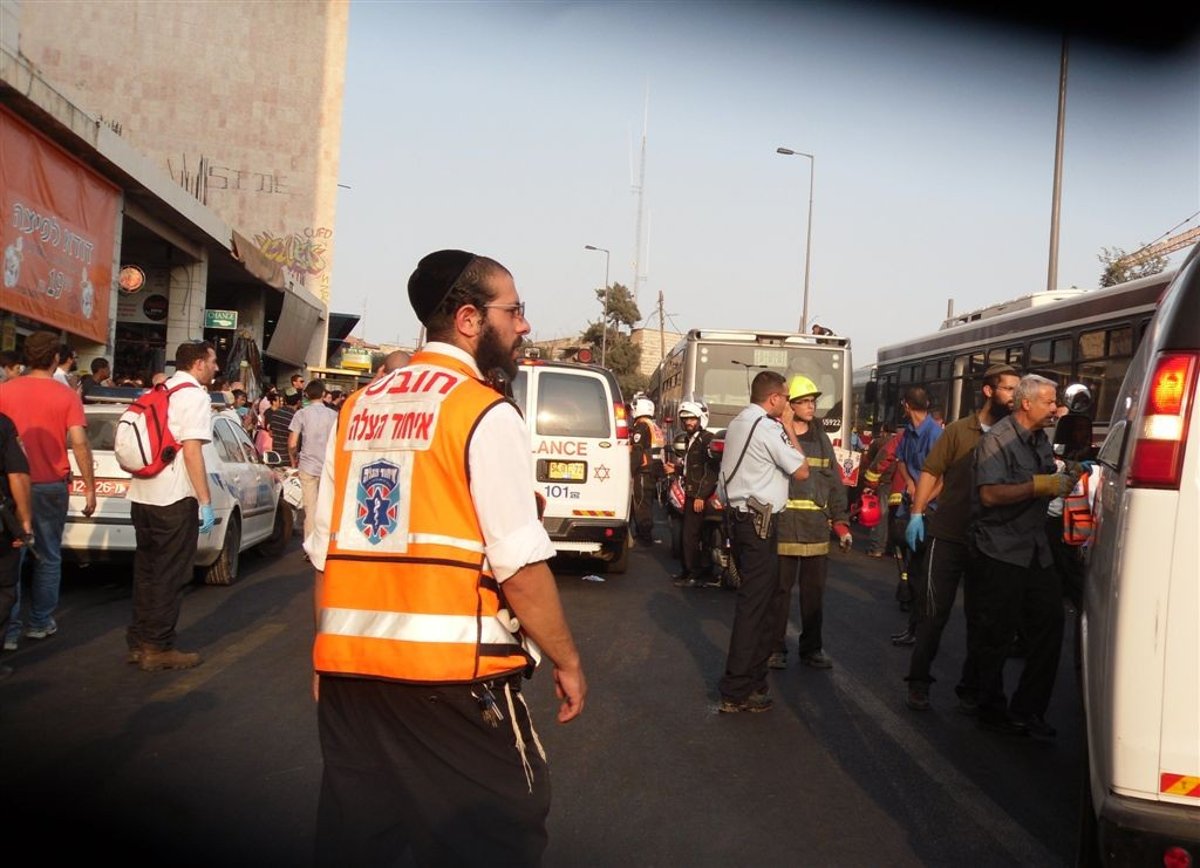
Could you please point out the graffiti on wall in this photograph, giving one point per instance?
(203, 177)
(302, 254)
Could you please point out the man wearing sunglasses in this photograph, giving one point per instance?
(434, 598)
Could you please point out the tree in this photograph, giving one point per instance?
(621, 355)
(1118, 270)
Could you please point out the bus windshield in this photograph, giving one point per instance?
(724, 373)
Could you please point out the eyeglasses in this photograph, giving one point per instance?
(518, 308)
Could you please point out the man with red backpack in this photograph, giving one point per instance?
(168, 510)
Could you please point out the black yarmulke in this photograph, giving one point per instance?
(435, 275)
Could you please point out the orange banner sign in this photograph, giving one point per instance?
(57, 233)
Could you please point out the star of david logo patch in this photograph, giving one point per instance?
(378, 500)
(602, 473)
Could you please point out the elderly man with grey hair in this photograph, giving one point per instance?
(1016, 583)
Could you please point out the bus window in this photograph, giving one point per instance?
(1040, 353)
(1103, 377)
(1091, 345)
(1120, 342)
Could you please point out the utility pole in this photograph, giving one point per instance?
(639, 191)
(662, 331)
(1052, 272)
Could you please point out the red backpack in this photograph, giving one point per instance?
(143, 443)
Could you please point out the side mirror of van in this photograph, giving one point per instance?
(869, 392)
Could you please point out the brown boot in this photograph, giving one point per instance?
(153, 660)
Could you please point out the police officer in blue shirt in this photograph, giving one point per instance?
(758, 459)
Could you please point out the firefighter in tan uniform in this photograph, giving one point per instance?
(433, 597)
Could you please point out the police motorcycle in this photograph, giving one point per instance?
(714, 536)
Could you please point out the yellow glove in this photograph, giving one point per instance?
(1052, 484)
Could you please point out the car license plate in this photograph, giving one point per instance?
(104, 487)
(565, 471)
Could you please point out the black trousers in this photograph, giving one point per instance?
(162, 568)
(691, 551)
(751, 637)
(811, 573)
(1008, 597)
(644, 492)
(10, 574)
(937, 570)
(415, 767)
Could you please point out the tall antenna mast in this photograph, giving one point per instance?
(639, 190)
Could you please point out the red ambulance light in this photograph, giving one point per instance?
(1158, 451)
(1177, 857)
(622, 420)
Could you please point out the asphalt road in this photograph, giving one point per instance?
(220, 765)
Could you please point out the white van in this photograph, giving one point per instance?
(1140, 626)
(579, 433)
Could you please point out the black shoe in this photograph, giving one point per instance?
(777, 660)
(709, 582)
(1036, 726)
(908, 637)
(685, 581)
(1004, 725)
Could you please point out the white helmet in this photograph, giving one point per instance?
(695, 409)
(642, 407)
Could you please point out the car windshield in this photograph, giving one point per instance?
(570, 405)
(724, 373)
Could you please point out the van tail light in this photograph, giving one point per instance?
(1159, 449)
(622, 420)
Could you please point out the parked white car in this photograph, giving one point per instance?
(246, 497)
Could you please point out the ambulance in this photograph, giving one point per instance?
(579, 436)
(1140, 626)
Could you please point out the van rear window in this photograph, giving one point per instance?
(572, 406)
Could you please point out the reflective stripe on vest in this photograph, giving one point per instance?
(407, 593)
(804, 504)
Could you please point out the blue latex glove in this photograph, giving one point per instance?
(914, 534)
(208, 518)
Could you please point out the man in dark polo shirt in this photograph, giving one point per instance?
(938, 536)
(1016, 583)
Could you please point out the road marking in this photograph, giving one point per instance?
(218, 663)
(1005, 831)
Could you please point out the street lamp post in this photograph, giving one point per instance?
(812, 170)
(604, 316)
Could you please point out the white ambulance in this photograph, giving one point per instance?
(579, 436)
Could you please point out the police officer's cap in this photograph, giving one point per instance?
(433, 279)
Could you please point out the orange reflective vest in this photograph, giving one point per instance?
(1078, 521)
(408, 594)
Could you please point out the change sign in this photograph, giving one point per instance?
(220, 319)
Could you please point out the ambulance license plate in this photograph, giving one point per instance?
(562, 471)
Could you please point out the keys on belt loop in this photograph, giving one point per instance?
(489, 709)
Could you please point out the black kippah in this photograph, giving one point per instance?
(436, 274)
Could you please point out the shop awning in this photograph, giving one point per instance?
(298, 321)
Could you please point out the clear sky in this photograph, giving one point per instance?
(514, 130)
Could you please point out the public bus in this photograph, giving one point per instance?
(1069, 336)
(716, 366)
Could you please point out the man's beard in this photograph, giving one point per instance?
(491, 352)
(999, 411)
